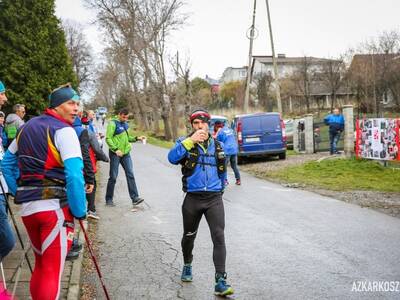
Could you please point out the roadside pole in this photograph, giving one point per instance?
(348, 115)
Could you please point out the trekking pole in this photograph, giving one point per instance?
(94, 260)
(3, 277)
(15, 223)
(18, 273)
(148, 205)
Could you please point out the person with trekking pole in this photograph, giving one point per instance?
(7, 238)
(204, 173)
(46, 160)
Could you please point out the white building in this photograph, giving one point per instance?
(286, 65)
(233, 74)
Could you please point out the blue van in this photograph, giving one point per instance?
(260, 134)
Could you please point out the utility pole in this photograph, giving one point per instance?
(247, 94)
(276, 76)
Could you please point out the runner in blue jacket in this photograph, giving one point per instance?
(228, 138)
(204, 171)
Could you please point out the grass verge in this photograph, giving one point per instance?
(342, 175)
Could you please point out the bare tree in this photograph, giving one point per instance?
(263, 82)
(332, 75)
(183, 75)
(374, 71)
(303, 78)
(140, 29)
(80, 52)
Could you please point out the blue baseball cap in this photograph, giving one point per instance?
(2, 87)
(63, 94)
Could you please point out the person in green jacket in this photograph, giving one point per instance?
(119, 142)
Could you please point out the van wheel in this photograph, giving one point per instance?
(282, 155)
(240, 160)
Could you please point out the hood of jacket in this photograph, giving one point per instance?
(12, 118)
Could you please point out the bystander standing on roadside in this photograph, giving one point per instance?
(227, 136)
(335, 121)
(45, 158)
(14, 121)
(119, 142)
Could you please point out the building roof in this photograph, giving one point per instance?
(369, 59)
(281, 59)
(211, 81)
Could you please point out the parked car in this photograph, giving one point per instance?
(289, 133)
(260, 134)
(102, 110)
(215, 118)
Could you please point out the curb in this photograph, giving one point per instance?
(74, 284)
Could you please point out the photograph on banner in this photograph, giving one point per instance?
(378, 139)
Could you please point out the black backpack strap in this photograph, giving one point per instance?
(189, 162)
(219, 158)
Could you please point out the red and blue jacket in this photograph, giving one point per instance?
(42, 172)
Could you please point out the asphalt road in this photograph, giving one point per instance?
(281, 243)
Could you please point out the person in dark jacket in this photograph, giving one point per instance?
(335, 122)
(96, 153)
(88, 172)
(203, 181)
(227, 136)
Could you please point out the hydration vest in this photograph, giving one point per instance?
(190, 162)
(41, 168)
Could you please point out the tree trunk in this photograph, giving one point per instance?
(156, 125)
(167, 127)
(174, 120)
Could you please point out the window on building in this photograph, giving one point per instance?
(242, 73)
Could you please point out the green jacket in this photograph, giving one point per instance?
(117, 136)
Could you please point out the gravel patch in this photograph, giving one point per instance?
(261, 166)
(388, 203)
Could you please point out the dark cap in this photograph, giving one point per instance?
(200, 114)
(62, 94)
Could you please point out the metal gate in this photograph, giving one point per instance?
(321, 137)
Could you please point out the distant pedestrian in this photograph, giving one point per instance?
(14, 121)
(96, 153)
(335, 122)
(227, 136)
(119, 142)
(204, 171)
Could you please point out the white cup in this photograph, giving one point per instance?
(144, 141)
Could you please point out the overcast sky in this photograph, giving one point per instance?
(215, 36)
